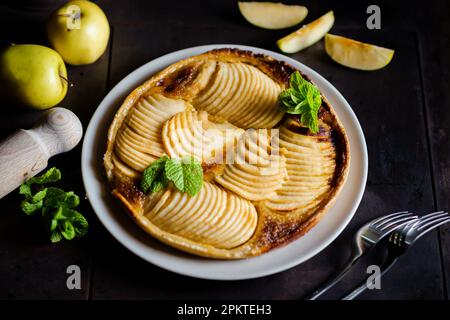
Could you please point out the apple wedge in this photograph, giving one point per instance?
(355, 54)
(307, 35)
(272, 15)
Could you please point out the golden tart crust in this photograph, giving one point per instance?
(226, 89)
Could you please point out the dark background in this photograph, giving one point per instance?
(404, 110)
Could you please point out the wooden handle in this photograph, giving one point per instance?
(25, 153)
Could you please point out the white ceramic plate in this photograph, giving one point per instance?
(136, 240)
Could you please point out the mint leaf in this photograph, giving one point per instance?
(51, 175)
(53, 224)
(302, 98)
(186, 175)
(25, 189)
(285, 98)
(71, 200)
(193, 173)
(158, 185)
(39, 196)
(153, 173)
(174, 173)
(67, 230)
(296, 80)
(33, 203)
(79, 222)
(29, 208)
(55, 236)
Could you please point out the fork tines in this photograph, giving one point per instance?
(432, 220)
(393, 221)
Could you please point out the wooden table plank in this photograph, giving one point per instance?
(31, 267)
(397, 152)
(435, 50)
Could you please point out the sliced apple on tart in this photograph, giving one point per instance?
(242, 94)
(197, 134)
(258, 168)
(214, 216)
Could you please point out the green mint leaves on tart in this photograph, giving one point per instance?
(186, 174)
(302, 98)
(56, 206)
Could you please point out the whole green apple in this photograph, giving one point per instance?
(79, 31)
(32, 75)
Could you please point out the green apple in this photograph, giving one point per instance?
(32, 75)
(79, 31)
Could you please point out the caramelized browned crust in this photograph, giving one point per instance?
(274, 228)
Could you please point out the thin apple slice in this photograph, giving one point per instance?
(355, 54)
(307, 35)
(272, 15)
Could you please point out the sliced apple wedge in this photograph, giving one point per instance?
(272, 15)
(355, 54)
(307, 35)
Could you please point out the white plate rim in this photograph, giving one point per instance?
(223, 269)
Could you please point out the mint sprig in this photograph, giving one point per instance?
(56, 206)
(186, 174)
(302, 98)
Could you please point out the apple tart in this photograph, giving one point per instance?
(268, 179)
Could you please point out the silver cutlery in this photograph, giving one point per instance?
(401, 240)
(365, 239)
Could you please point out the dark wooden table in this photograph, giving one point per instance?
(404, 111)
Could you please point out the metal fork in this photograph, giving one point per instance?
(401, 240)
(365, 239)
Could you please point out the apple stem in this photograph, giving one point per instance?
(66, 80)
(75, 15)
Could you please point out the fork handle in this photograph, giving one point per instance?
(387, 265)
(330, 283)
